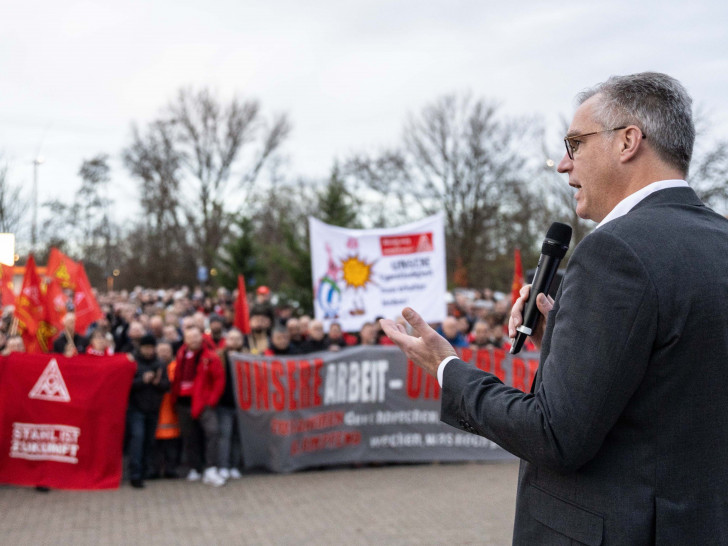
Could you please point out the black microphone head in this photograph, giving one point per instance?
(557, 240)
(559, 233)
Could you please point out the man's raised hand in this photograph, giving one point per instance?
(426, 348)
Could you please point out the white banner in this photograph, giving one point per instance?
(359, 275)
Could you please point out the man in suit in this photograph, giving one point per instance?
(624, 435)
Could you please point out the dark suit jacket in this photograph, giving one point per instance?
(624, 437)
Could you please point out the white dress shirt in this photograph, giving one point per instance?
(622, 208)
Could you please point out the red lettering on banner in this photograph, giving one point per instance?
(522, 372)
(414, 378)
(432, 387)
(330, 440)
(279, 393)
(415, 383)
(318, 365)
(482, 361)
(532, 368)
(466, 354)
(329, 419)
(305, 377)
(499, 356)
(261, 385)
(292, 402)
(518, 374)
(280, 427)
(245, 396)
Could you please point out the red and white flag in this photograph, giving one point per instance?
(30, 308)
(84, 302)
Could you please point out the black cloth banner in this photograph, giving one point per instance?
(362, 404)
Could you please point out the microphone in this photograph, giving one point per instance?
(553, 250)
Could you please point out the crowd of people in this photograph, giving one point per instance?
(181, 416)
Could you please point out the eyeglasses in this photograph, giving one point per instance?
(572, 142)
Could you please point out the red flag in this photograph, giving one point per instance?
(84, 301)
(242, 313)
(517, 276)
(460, 275)
(55, 308)
(63, 268)
(30, 308)
(7, 294)
(62, 419)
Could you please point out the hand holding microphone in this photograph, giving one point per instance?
(544, 303)
(552, 251)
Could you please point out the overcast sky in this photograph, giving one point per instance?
(76, 74)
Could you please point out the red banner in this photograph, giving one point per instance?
(62, 420)
(406, 244)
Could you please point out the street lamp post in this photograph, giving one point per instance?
(34, 227)
(110, 280)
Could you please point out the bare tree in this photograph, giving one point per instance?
(94, 208)
(459, 156)
(282, 237)
(152, 159)
(211, 148)
(12, 205)
(161, 246)
(709, 176)
(83, 227)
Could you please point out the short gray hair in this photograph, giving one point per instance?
(658, 104)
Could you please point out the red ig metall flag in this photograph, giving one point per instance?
(30, 308)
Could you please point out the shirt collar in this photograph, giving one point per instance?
(629, 202)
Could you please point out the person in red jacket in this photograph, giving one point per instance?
(199, 382)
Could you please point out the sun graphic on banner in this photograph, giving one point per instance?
(356, 272)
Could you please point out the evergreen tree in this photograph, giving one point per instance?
(241, 256)
(336, 205)
(294, 259)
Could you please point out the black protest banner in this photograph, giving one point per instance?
(362, 404)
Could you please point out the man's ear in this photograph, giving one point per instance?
(630, 143)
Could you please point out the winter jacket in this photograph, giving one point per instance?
(147, 397)
(209, 379)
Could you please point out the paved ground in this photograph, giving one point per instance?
(470, 503)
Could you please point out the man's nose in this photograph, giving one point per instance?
(566, 164)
